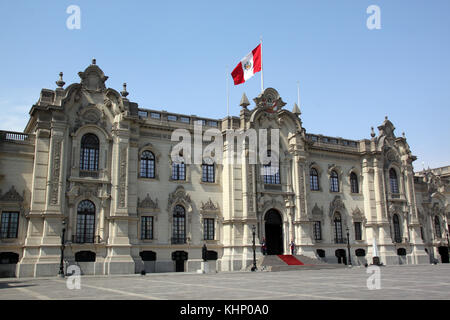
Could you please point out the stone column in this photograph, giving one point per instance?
(119, 260)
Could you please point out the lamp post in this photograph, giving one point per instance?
(61, 264)
(254, 248)
(348, 248)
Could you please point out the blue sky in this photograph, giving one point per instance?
(174, 56)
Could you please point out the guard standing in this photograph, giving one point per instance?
(204, 253)
(292, 247)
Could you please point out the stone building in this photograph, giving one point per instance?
(93, 166)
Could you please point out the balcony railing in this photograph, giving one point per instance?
(87, 173)
(178, 240)
(340, 240)
(16, 137)
(86, 239)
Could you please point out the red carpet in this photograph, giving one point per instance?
(290, 260)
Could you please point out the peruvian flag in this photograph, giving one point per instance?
(248, 66)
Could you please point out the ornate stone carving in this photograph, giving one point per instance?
(336, 205)
(179, 196)
(317, 212)
(209, 206)
(122, 176)
(358, 215)
(250, 188)
(55, 172)
(148, 203)
(11, 196)
(269, 100)
(302, 189)
(93, 79)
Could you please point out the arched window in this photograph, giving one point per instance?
(85, 222)
(179, 225)
(147, 169)
(334, 182)
(338, 228)
(397, 230)
(437, 227)
(271, 173)
(354, 183)
(89, 152)
(314, 179)
(393, 181)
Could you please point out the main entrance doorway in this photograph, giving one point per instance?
(274, 232)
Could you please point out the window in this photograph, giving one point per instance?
(320, 253)
(89, 152)
(148, 255)
(358, 231)
(147, 169)
(338, 228)
(172, 118)
(9, 224)
(354, 183)
(208, 229)
(9, 258)
(85, 222)
(334, 182)
(85, 256)
(184, 119)
(397, 230)
(314, 179)
(437, 227)
(179, 225)
(146, 228)
(208, 171)
(154, 115)
(393, 181)
(271, 174)
(317, 231)
(142, 114)
(178, 171)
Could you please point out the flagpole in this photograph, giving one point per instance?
(228, 96)
(262, 75)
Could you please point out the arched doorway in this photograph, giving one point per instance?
(443, 251)
(274, 232)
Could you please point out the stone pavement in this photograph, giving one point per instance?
(397, 282)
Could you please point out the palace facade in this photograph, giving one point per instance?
(94, 171)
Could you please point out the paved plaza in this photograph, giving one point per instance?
(397, 282)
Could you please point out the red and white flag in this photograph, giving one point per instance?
(248, 66)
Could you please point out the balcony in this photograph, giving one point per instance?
(340, 240)
(178, 240)
(86, 239)
(89, 174)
